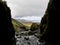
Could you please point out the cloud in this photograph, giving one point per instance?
(27, 7)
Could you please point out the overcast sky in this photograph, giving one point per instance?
(25, 8)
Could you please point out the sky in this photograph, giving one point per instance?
(27, 8)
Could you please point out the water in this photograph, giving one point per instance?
(27, 40)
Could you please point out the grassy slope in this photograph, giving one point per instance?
(27, 24)
(16, 24)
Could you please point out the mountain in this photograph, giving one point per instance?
(17, 24)
(32, 19)
(22, 20)
(26, 21)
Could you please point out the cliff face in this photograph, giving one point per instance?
(7, 32)
(49, 22)
(44, 26)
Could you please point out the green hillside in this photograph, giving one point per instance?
(16, 24)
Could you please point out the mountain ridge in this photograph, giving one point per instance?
(26, 21)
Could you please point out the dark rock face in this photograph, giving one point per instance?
(7, 32)
(49, 23)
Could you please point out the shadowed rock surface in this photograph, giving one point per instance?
(7, 32)
(49, 23)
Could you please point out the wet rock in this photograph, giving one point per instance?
(26, 38)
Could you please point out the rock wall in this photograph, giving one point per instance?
(49, 24)
(7, 32)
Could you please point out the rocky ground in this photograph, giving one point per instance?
(22, 39)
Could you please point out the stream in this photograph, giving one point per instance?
(22, 39)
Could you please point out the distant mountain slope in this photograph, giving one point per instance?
(27, 23)
(33, 19)
(16, 24)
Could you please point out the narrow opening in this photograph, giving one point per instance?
(27, 16)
